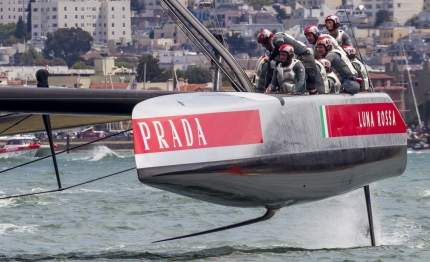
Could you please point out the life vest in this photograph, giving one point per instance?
(346, 60)
(286, 75)
(339, 37)
(336, 81)
(261, 70)
(324, 76)
(359, 66)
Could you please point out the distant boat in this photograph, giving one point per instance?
(421, 146)
(24, 146)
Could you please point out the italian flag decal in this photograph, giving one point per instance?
(323, 122)
(360, 120)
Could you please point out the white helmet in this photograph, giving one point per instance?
(312, 29)
(350, 51)
(335, 19)
(326, 64)
(326, 42)
(287, 48)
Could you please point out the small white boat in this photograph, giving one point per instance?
(19, 146)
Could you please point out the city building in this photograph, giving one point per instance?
(388, 36)
(103, 19)
(11, 11)
(400, 10)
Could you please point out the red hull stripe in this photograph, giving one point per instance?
(362, 119)
(172, 133)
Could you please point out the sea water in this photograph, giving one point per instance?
(117, 218)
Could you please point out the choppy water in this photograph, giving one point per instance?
(117, 218)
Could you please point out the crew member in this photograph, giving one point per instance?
(323, 87)
(360, 67)
(312, 34)
(263, 74)
(332, 23)
(274, 42)
(341, 64)
(289, 75)
(333, 80)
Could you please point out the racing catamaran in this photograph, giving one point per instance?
(238, 149)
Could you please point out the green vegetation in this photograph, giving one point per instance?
(136, 5)
(381, 17)
(81, 65)
(258, 4)
(32, 58)
(7, 34)
(153, 70)
(236, 43)
(124, 62)
(410, 22)
(282, 14)
(68, 44)
(21, 30)
(198, 75)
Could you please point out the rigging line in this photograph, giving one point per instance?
(41, 158)
(410, 83)
(69, 187)
(185, 34)
(217, 25)
(167, 6)
(184, 29)
(218, 30)
(177, 18)
(243, 78)
(15, 124)
(356, 44)
(214, 60)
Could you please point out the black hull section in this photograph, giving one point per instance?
(280, 180)
(80, 101)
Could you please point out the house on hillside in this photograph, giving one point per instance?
(386, 83)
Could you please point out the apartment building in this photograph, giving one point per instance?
(390, 35)
(401, 10)
(171, 31)
(12, 10)
(103, 19)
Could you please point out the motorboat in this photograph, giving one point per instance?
(24, 146)
(421, 146)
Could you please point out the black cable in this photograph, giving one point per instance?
(69, 187)
(356, 44)
(183, 22)
(15, 124)
(89, 143)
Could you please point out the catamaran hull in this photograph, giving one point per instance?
(43, 151)
(252, 150)
(275, 183)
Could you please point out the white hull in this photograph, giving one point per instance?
(43, 151)
(19, 153)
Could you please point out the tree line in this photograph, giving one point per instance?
(65, 46)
